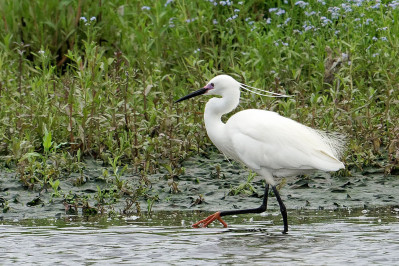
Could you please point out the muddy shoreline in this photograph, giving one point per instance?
(205, 185)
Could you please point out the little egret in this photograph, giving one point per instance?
(269, 144)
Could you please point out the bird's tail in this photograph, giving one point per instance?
(336, 142)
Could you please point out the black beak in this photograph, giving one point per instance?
(193, 94)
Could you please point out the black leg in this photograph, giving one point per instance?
(261, 209)
(282, 209)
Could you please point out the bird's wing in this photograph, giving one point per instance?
(266, 139)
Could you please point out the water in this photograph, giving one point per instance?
(356, 237)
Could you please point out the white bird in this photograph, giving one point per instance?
(269, 144)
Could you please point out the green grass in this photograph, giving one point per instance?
(104, 85)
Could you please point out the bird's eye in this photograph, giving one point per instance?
(213, 85)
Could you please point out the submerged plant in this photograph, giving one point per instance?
(99, 80)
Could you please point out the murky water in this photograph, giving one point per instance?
(358, 237)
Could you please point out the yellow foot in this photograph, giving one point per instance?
(205, 222)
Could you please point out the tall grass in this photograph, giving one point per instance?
(101, 76)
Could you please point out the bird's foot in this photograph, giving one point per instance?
(205, 222)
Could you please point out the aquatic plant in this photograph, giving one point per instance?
(82, 79)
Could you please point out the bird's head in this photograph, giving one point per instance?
(219, 85)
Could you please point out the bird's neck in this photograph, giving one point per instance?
(216, 107)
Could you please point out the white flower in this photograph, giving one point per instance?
(368, 21)
(394, 4)
(302, 4)
(280, 12)
(41, 52)
(145, 8)
(334, 12)
(347, 8)
(308, 14)
(376, 6)
(92, 18)
(325, 21)
(83, 19)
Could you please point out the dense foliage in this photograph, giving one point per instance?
(99, 78)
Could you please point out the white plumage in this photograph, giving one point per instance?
(269, 144)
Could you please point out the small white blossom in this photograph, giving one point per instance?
(347, 8)
(334, 12)
(368, 21)
(280, 12)
(394, 4)
(308, 14)
(145, 8)
(325, 21)
(277, 11)
(190, 20)
(376, 6)
(302, 4)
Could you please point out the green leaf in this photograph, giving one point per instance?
(47, 143)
